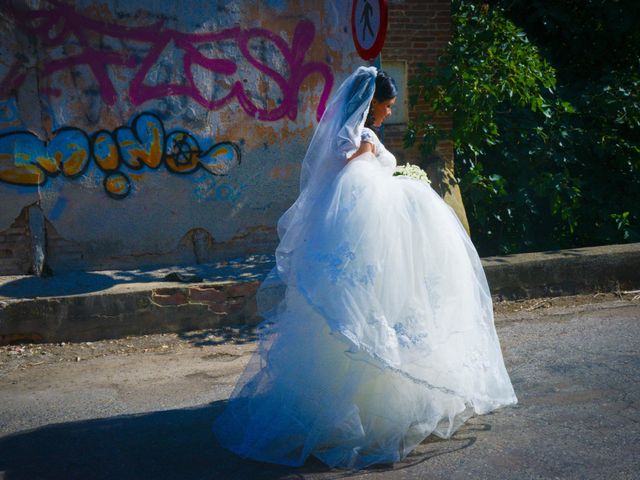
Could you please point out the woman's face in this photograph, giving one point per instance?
(381, 110)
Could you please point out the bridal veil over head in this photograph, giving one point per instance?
(335, 139)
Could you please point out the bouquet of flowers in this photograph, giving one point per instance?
(412, 171)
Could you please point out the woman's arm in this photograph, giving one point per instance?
(365, 147)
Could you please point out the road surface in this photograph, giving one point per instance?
(142, 407)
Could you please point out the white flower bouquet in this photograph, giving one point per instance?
(412, 171)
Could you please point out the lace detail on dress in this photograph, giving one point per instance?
(386, 158)
(335, 261)
(368, 136)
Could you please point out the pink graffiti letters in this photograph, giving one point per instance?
(28, 161)
(58, 25)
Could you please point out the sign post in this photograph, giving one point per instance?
(369, 20)
(369, 26)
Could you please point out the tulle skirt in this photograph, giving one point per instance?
(384, 334)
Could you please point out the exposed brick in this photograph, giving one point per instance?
(418, 33)
(207, 294)
(17, 236)
(170, 290)
(242, 289)
(176, 298)
(15, 247)
(236, 307)
(15, 265)
(219, 308)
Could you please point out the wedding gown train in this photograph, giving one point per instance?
(384, 335)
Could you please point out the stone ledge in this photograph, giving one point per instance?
(101, 316)
(564, 272)
(81, 308)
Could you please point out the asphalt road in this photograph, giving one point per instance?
(142, 408)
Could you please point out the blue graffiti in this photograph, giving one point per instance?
(28, 161)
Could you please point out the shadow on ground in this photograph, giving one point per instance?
(174, 444)
(242, 269)
(30, 287)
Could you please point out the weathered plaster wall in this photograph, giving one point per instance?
(159, 131)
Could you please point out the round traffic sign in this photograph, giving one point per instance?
(369, 26)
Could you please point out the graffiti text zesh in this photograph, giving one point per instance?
(54, 27)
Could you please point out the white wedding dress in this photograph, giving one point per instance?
(384, 332)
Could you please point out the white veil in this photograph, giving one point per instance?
(336, 137)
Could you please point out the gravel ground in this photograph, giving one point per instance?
(25, 355)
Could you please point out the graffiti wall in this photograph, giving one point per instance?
(149, 132)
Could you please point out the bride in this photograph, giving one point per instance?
(378, 323)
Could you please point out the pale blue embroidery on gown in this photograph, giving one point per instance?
(385, 334)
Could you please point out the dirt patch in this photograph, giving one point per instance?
(513, 306)
(25, 355)
(28, 355)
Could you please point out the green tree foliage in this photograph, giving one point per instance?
(546, 131)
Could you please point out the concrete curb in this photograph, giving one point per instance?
(564, 272)
(81, 318)
(136, 303)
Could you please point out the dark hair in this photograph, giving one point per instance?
(386, 89)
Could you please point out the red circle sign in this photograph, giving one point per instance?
(369, 26)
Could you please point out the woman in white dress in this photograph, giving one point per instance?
(378, 323)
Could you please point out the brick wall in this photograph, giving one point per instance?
(15, 247)
(418, 32)
(62, 254)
